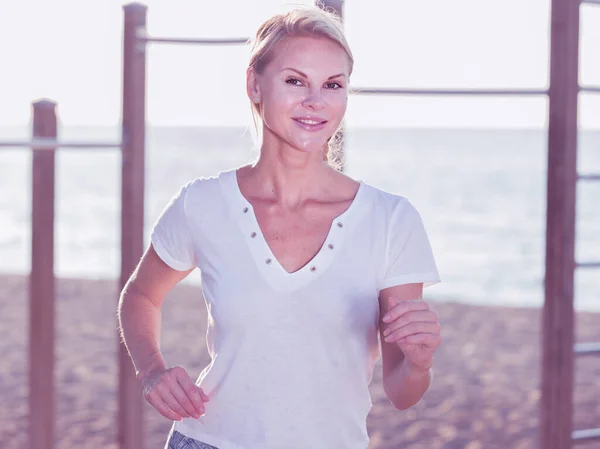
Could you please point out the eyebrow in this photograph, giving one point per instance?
(305, 76)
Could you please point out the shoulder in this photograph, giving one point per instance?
(195, 194)
(381, 200)
(204, 200)
(391, 205)
(200, 184)
(200, 189)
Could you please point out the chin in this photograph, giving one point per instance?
(310, 144)
(311, 147)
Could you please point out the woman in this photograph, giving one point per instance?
(302, 268)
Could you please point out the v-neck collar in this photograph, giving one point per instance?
(267, 263)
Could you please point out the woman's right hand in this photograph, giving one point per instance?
(172, 392)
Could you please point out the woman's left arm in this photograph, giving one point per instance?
(410, 334)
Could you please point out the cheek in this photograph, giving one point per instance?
(338, 107)
(342, 103)
(279, 107)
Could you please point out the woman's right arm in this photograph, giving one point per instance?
(170, 390)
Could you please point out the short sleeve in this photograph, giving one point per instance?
(171, 236)
(408, 257)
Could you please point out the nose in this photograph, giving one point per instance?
(314, 99)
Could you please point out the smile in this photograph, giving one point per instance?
(310, 125)
(310, 122)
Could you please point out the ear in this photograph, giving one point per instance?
(252, 86)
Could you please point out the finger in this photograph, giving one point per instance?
(159, 404)
(411, 329)
(403, 307)
(184, 401)
(191, 391)
(432, 340)
(204, 395)
(426, 316)
(165, 392)
(393, 302)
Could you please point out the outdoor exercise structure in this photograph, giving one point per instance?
(557, 339)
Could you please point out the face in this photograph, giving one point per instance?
(303, 92)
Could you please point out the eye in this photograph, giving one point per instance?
(339, 86)
(293, 81)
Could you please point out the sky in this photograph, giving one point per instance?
(70, 51)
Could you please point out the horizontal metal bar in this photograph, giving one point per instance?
(585, 435)
(593, 89)
(177, 40)
(588, 265)
(50, 144)
(587, 348)
(594, 2)
(589, 177)
(392, 91)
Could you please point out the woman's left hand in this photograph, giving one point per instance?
(414, 327)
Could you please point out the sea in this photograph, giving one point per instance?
(481, 194)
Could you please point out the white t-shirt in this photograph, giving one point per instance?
(292, 353)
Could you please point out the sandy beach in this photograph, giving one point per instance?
(485, 392)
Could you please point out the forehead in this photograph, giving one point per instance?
(315, 56)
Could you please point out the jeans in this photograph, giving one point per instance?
(180, 441)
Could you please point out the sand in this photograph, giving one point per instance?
(485, 392)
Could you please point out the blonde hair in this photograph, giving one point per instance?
(316, 21)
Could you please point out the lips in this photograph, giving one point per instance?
(310, 123)
(309, 118)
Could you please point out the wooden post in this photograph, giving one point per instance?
(130, 413)
(41, 283)
(557, 332)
